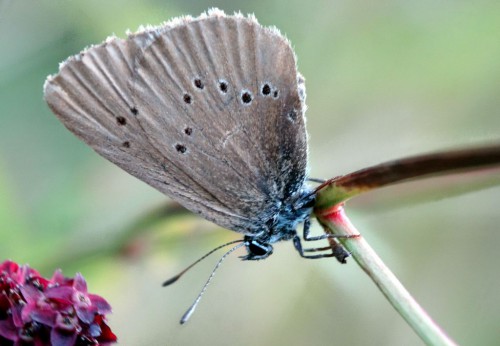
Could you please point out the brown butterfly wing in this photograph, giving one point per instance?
(207, 110)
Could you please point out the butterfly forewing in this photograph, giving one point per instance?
(206, 110)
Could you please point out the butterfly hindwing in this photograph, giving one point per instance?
(206, 110)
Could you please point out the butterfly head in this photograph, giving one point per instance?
(257, 249)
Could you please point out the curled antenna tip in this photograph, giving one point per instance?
(188, 314)
(171, 280)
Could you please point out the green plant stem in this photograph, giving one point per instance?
(336, 222)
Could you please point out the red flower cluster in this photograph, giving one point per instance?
(59, 311)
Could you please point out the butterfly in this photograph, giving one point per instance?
(207, 110)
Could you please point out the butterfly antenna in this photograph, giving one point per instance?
(178, 276)
(191, 309)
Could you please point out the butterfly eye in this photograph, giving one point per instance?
(259, 249)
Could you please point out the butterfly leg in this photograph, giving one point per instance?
(307, 237)
(302, 252)
(337, 250)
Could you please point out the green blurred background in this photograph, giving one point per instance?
(384, 80)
